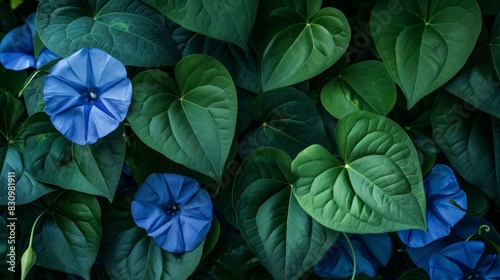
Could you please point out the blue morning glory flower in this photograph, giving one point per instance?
(17, 50)
(87, 95)
(174, 210)
(440, 186)
(464, 260)
(372, 252)
(464, 229)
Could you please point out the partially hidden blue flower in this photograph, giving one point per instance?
(174, 210)
(17, 50)
(87, 95)
(464, 229)
(372, 251)
(441, 215)
(464, 260)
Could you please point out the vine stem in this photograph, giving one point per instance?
(29, 82)
(353, 256)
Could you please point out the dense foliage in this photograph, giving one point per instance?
(247, 139)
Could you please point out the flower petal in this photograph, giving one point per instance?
(441, 267)
(441, 181)
(466, 253)
(74, 70)
(106, 70)
(175, 231)
(154, 191)
(440, 186)
(76, 134)
(44, 57)
(16, 49)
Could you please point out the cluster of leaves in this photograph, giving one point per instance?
(303, 119)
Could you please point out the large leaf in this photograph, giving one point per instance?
(422, 44)
(226, 20)
(470, 140)
(93, 169)
(287, 241)
(67, 236)
(295, 47)
(193, 122)
(478, 84)
(362, 86)
(128, 30)
(377, 187)
(129, 253)
(22, 188)
(288, 120)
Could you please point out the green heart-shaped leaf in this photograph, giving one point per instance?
(93, 169)
(376, 188)
(226, 20)
(67, 236)
(128, 30)
(362, 86)
(297, 47)
(193, 122)
(478, 84)
(289, 121)
(470, 140)
(422, 43)
(129, 253)
(19, 185)
(287, 241)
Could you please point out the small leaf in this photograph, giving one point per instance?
(128, 30)
(28, 259)
(422, 45)
(296, 47)
(362, 86)
(376, 188)
(226, 20)
(193, 122)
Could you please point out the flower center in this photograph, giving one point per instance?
(473, 275)
(172, 209)
(91, 95)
